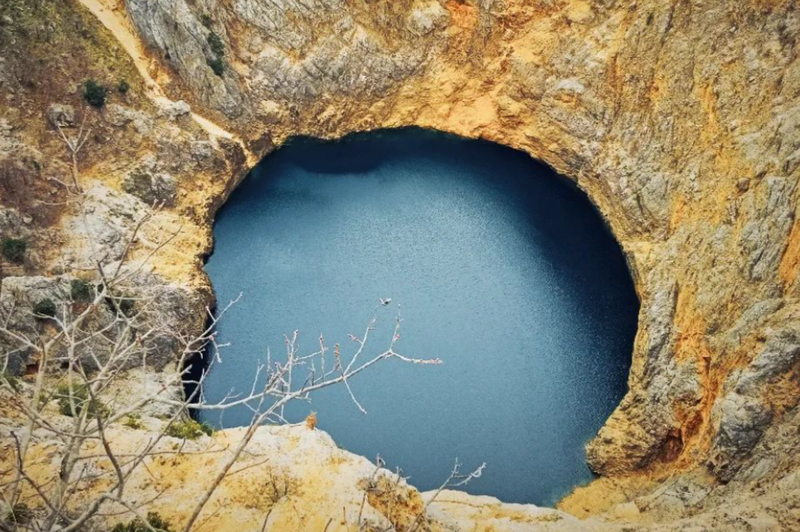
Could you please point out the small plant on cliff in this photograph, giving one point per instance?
(123, 304)
(19, 514)
(206, 20)
(123, 87)
(207, 428)
(126, 306)
(217, 65)
(11, 381)
(94, 93)
(216, 45)
(189, 429)
(153, 519)
(133, 421)
(72, 401)
(45, 307)
(81, 291)
(14, 249)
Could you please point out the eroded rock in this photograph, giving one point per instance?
(61, 115)
(680, 121)
(151, 188)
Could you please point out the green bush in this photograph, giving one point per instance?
(189, 429)
(133, 421)
(94, 93)
(81, 291)
(215, 43)
(153, 519)
(122, 304)
(12, 381)
(79, 396)
(207, 429)
(217, 65)
(14, 249)
(206, 20)
(20, 514)
(126, 306)
(123, 87)
(45, 307)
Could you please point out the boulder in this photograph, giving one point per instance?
(742, 421)
(120, 116)
(61, 115)
(151, 188)
(175, 110)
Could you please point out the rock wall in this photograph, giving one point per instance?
(680, 120)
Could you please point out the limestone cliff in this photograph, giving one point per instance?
(680, 120)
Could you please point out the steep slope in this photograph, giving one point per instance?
(680, 120)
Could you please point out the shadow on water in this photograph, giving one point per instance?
(503, 268)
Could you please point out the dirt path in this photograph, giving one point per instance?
(112, 15)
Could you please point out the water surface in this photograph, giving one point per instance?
(502, 269)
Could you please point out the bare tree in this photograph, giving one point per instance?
(74, 146)
(85, 345)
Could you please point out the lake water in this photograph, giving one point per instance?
(502, 269)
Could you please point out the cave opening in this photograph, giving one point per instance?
(502, 268)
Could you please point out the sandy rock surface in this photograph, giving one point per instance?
(680, 121)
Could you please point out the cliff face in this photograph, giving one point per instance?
(680, 120)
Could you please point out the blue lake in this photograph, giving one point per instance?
(503, 270)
